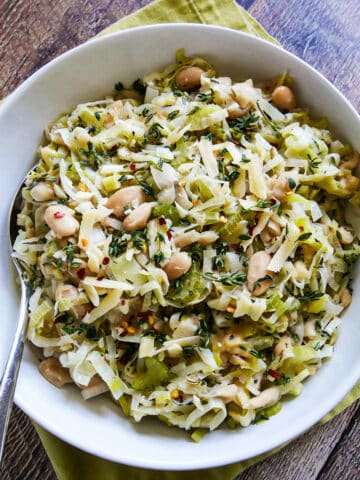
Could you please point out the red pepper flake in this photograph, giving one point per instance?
(273, 201)
(123, 302)
(59, 215)
(301, 229)
(251, 229)
(143, 314)
(169, 234)
(81, 273)
(106, 261)
(132, 167)
(274, 374)
(162, 221)
(233, 140)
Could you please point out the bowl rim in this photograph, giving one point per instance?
(320, 409)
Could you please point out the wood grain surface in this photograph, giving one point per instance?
(326, 34)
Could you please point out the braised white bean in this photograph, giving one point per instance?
(60, 220)
(132, 196)
(189, 78)
(178, 265)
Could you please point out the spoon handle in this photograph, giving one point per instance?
(8, 381)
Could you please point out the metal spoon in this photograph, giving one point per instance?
(8, 381)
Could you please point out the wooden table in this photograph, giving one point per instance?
(323, 32)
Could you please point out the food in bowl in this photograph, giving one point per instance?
(187, 247)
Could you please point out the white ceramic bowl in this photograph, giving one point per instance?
(87, 73)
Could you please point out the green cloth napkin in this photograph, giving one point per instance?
(69, 462)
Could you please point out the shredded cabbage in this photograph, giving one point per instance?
(221, 174)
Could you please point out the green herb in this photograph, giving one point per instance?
(42, 240)
(34, 277)
(257, 284)
(139, 238)
(195, 252)
(194, 110)
(178, 93)
(69, 250)
(158, 337)
(147, 188)
(254, 353)
(154, 134)
(63, 201)
(246, 123)
(178, 285)
(314, 163)
(243, 236)
(119, 86)
(220, 252)
(269, 121)
(245, 159)
(204, 332)
(229, 279)
(117, 246)
(161, 237)
(318, 346)
(160, 163)
(319, 329)
(149, 117)
(261, 203)
(93, 129)
(184, 222)
(284, 380)
(158, 258)
(292, 183)
(139, 87)
(206, 97)
(233, 175)
(73, 328)
(313, 295)
(97, 116)
(304, 236)
(188, 351)
(338, 235)
(173, 114)
(91, 333)
(350, 258)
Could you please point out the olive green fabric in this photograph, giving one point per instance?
(69, 462)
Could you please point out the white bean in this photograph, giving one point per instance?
(138, 218)
(345, 298)
(42, 192)
(346, 237)
(54, 373)
(133, 196)
(283, 97)
(189, 78)
(207, 238)
(187, 238)
(61, 221)
(257, 270)
(178, 265)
